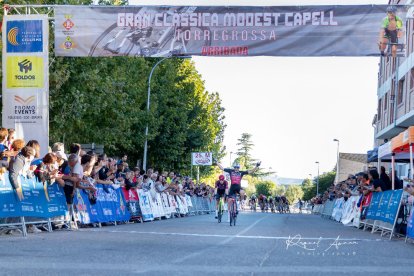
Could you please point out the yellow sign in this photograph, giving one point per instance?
(25, 71)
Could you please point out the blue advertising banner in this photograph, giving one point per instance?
(39, 200)
(24, 36)
(384, 206)
(393, 206)
(410, 225)
(110, 206)
(373, 207)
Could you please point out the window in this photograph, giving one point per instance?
(412, 78)
(379, 109)
(400, 90)
(385, 101)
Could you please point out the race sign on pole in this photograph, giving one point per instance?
(201, 159)
(156, 31)
(26, 77)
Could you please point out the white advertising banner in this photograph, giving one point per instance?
(202, 159)
(26, 77)
(349, 210)
(144, 203)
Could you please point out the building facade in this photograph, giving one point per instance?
(396, 89)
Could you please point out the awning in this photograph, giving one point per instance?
(401, 143)
(385, 151)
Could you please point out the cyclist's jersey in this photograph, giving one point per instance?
(386, 23)
(222, 186)
(235, 177)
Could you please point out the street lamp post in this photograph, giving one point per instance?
(144, 165)
(230, 158)
(317, 180)
(337, 162)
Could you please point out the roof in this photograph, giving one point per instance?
(356, 157)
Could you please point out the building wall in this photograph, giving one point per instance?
(396, 89)
(347, 167)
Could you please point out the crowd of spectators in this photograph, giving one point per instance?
(363, 184)
(83, 170)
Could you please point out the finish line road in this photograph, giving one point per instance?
(261, 244)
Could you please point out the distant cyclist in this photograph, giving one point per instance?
(221, 190)
(235, 178)
(391, 30)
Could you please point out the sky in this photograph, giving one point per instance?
(293, 106)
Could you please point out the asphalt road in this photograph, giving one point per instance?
(261, 244)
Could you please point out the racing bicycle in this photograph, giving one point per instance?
(233, 210)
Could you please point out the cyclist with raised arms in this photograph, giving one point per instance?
(235, 178)
(221, 190)
(391, 31)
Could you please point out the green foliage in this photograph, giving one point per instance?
(103, 101)
(265, 187)
(244, 152)
(279, 190)
(309, 187)
(293, 193)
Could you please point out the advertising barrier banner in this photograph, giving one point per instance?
(110, 206)
(144, 203)
(25, 64)
(349, 209)
(384, 206)
(410, 225)
(155, 31)
(39, 200)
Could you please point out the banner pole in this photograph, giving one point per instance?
(24, 230)
(396, 218)
(393, 171)
(411, 162)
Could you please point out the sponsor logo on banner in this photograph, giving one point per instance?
(25, 72)
(68, 23)
(24, 110)
(24, 36)
(68, 44)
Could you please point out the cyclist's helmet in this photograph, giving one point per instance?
(236, 166)
(221, 177)
(391, 9)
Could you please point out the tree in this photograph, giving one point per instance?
(244, 152)
(103, 100)
(325, 181)
(279, 190)
(293, 193)
(309, 189)
(265, 187)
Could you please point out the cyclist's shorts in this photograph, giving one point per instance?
(234, 189)
(391, 35)
(220, 193)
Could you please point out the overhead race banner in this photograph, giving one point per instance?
(26, 77)
(155, 31)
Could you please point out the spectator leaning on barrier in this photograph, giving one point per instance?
(17, 166)
(72, 177)
(35, 144)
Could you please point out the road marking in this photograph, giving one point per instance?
(231, 237)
